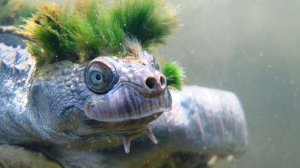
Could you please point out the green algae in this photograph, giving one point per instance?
(174, 75)
(96, 28)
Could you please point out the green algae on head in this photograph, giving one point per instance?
(174, 75)
(96, 28)
(150, 21)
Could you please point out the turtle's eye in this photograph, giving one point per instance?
(99, 77)
(96, 78)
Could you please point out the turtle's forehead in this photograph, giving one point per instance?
(131, 65)
(142, 58)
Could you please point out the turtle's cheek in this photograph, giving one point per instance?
(126, 103)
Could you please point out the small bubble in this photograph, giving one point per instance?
(212, 160)
(230, 158)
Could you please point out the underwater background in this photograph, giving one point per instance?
(250, 47)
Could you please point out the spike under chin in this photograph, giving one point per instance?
(148, 133)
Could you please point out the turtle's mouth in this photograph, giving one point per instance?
(126, 112)
(126, 126)
(125, 104)
(126, 109)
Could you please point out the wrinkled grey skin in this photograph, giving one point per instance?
(52, 110)
(54, 104)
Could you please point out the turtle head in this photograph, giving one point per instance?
(114, 98)
(125, 94)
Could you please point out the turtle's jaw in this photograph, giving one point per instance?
(127, 127)
(126, 109)
(127, 104)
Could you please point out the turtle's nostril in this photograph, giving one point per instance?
(156, 85)
(151, 82)
(162, 81)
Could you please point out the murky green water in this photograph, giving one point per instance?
(252, 48)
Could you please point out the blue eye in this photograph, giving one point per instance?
(99, 78)
(96, 77)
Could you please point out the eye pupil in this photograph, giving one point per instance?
(98, 77)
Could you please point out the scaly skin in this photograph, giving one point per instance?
(53, 111)
(54, 105)
(15, 65)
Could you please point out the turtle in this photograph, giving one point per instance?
(79, 89)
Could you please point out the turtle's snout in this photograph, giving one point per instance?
(155, 84)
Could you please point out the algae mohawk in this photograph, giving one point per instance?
(96, 27)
